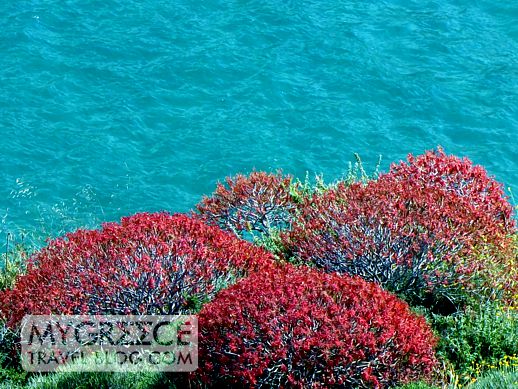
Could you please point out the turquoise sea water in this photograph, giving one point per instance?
(112, 107)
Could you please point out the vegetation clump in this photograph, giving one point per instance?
(299, 327)
(251, 205)
(146, 264)
(435, 229)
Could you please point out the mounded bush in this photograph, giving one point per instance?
(251, 206)
(435, 229)
(467, 195)
(300, 327)
(148, 264)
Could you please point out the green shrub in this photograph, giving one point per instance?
(478, 339)
(8, 338)
(11, 374)
(12, 264)
(271, 242)
(11, 377)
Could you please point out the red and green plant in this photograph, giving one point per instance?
(433, 229)
(300, 327)
(148, 264)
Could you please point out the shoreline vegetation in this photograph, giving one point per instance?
(399, 279)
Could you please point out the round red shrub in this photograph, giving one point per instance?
(431, 228)
(468, 185)
(300, 327)
(253, 204)
(148, 264)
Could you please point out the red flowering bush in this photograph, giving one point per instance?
(251, 205)
(148, 264)
(431, 229)
(299, 327)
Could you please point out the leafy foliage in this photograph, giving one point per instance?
(8, 339)
(11, 374)
(147, 264)
(478, 339)
(251, 205)
(435, 229)
(298, 327)
(12, 264)
(11, 378)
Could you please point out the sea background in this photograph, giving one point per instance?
(108, 108)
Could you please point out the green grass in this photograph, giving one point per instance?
(76, 380)
(497, 379)
(67, 378)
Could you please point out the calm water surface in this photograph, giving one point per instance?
(112, 107)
